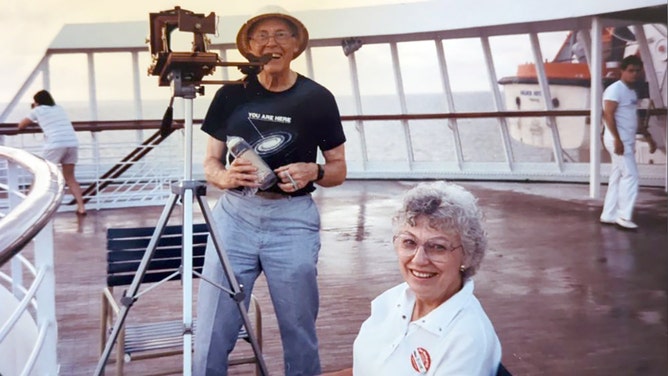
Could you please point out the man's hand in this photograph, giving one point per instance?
(295, 176)
(619, 147)
(240, 173)
(652, 143)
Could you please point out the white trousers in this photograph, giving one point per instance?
(623, 184)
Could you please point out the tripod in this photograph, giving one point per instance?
(187, 190)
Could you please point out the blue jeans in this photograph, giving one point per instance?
(280, 238)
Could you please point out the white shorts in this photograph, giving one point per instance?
(65, 155)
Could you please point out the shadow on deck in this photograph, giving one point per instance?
(566, 294)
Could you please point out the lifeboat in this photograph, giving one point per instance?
(569, 82)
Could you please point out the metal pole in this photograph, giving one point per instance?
(447, 90)
(359, 124)
(595, 67)
(187, 264)
(498, 101)
(399, 82)
(550, 121)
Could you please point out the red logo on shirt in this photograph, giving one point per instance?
(420, 360)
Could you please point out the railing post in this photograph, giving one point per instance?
(46, 302)
(13, 181)
(399, 83)
(136, 86)
(447, 90)
(595, 69)
(550, 121)
(498, 101)
(359, 124)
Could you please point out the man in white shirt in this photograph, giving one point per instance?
(619, 138)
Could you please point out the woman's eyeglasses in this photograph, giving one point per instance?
(436, 251)
(281, 37)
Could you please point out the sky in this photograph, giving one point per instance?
(28, 27)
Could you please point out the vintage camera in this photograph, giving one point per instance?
(184, 71)
(192, 65)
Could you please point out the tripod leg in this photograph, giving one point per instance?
(130, 298)
(237, 292)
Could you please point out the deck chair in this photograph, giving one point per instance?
(147, 338)
(503, 371)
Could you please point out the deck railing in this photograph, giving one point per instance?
(30, 192)
(406, 101)
(428, 147)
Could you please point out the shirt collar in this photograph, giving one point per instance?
(437, 320)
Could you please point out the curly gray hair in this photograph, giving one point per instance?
(447, 207)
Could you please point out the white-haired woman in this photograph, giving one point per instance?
(431, 324)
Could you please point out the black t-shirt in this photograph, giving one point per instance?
(284, 127)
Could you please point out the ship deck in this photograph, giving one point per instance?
(566, 294)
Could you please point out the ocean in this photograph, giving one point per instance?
(385, 140)
(430, 140)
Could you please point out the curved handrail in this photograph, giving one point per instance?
(28, 218)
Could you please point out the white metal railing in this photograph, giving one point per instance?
(145, 182)
(30, 191)
(452, 148)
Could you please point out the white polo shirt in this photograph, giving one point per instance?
(457, 338)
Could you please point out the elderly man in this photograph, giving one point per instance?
(286, 118)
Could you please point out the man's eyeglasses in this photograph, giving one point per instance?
(280, 37)
(436, 251)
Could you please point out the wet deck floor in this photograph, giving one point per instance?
(566, 294)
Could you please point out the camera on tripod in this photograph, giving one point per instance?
(185, 71)
(195, 64)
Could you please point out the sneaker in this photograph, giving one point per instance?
(626, 224)
(607, 221)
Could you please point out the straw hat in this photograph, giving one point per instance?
(243, 40)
